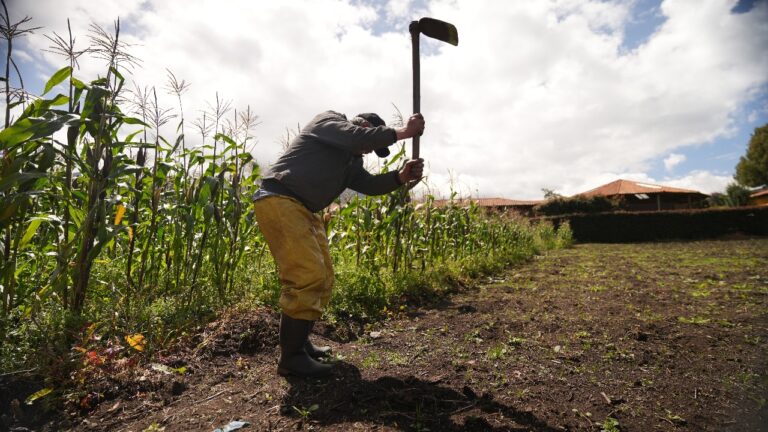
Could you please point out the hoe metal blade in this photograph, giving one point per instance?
(439, 30)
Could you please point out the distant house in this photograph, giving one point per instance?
(636, 196)
(759, 198)
(497, 205)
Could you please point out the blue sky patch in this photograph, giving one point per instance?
(645, 18)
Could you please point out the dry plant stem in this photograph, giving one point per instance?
(178, 88)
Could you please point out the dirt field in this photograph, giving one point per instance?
(644, 337)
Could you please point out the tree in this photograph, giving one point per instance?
(735, 195)
(717, 199)
(738, 195)
(550, 194)
(557, 205)
(752, 169)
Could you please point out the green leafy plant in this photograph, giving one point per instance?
(306, 412)
(610, 424)
(497, 352)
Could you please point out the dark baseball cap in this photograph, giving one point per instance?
(376, 121)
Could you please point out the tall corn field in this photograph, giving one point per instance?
(106, 222)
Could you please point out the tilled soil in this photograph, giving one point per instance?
(641, 337)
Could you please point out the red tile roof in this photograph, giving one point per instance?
(759, 193)
(627, 187)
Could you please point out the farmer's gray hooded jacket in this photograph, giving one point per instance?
(323, 160)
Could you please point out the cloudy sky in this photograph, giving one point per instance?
(560, 94)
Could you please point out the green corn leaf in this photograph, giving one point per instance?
(7, 210)
(95, 96)
(134, 121)
(28, 128)
(79, 88)
(225, 138)
(117, 73)
(57, 78)
(37, 395)
(18, 132)
(130, 137)
(18, 178)
(123, 170)
(31, 230)
(79, 84)
(179, 139)
(105, 237)
(78, 215)
(60, 99)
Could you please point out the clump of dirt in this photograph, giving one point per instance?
(238, 333)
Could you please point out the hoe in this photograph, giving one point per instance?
(435, 29)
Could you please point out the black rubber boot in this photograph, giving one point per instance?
(294, 360)
(313, 350)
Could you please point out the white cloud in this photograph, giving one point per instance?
(703, 181)
(22, 55)
(673, 160)
(700, 180)
(399, 8)
(537, 94)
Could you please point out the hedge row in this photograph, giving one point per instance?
(578, 204)
(623, 227)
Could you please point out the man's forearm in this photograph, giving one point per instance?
(404, 133)
(377, 184)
